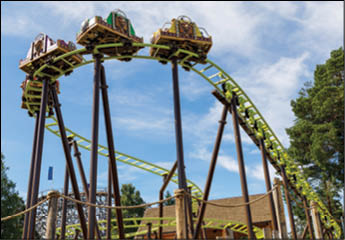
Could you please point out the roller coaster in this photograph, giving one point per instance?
(182, 44)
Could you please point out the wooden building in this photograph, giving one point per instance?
(260, 211)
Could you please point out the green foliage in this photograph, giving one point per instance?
(131, 197)
(11, 203)
(317, 137)
(169, 202)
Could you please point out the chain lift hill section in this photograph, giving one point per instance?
(180, 42)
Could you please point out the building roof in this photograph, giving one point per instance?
(260, 211)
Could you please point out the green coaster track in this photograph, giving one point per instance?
(249, 115)
(134, 223)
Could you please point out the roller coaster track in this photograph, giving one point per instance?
(121, 157)
(249, 116)
(168, 222)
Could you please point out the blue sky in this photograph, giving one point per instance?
(269, 48)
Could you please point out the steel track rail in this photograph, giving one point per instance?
(216, 76)
(169, 222)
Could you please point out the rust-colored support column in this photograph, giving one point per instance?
(111, 149)
(304, 233)
(268, 187)
(149, 228)
(69, 161)
(77, 155)
(288, 203)
(38, 158)
(64, 204)
(213, 163)
(279, 205)
(166, 180)
(31, 174)
(94, 146)
(182, 183)
(241, 167)
(109, 201)
(307, 215)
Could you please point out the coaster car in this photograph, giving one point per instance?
(182, 33)
(117, 28)
(43, 50)
(31, 97)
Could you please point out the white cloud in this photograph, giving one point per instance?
(126, 173)
(193, 87)
(144, 123)
(257, 172)
(225, 161)
(254, 151)
(228, 163)
(166, 165)
(231, 164)
(236, 28)
(19, 26)
(323, 26)
(147, 17)
(286, 10)
(272, 86)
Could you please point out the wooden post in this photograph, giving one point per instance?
(278, 203)
(179, 210)
(52, 212)
(307, 215)
(316, 221)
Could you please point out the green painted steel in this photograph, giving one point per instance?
(216, 76)
(169, 222)
(121, 157)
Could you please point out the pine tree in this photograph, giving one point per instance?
(131, 197)
(11, 203)
(169, 202)
(317, 137)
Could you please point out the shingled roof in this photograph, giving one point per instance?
(260, 211)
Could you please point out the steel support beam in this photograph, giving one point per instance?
(255, 141)
(182, 183)
(268, 186)
(112, 160)
(31, 174)
(69, 161)
(64, 205)
(109, 201)
(288, 203)
(166, 180)
(307, 215)
(77, 155)
(213, 163)
(241, 166)
(94, 146)
(38, 157)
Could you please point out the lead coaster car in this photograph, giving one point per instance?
(44, 50)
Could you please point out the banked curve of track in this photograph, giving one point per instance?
(248, 113)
